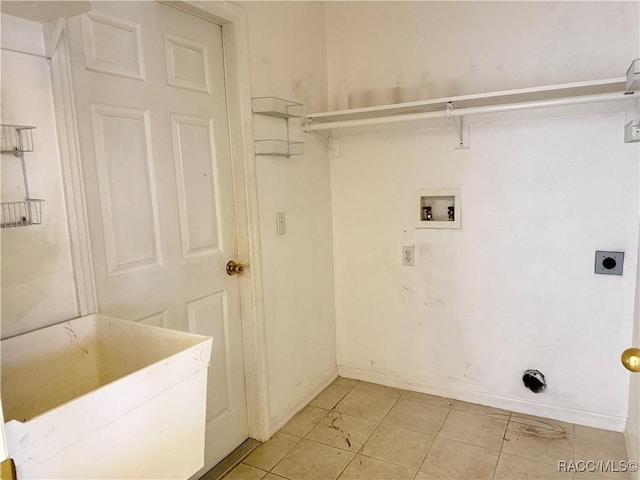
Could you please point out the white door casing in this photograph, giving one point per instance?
(158, 185)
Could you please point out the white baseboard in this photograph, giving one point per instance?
(581, 417)
(281, 419)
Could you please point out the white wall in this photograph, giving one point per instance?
(288, 60)
(37, 278)
(514, 288)
(437, 49)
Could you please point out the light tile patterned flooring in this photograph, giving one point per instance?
(361, 430)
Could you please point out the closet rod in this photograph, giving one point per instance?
(309, 126)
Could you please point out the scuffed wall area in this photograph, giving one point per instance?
(383, 51)
(288, 60)
(514, 288)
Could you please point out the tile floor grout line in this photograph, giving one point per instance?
(427, 454)
(401, 390)
(346, 466)
(450, 400)
(350, 388)
(359, 452)
(434, 475)
(389, 411)
(504, 436)
(434, 441)
(285, 455)
(452, 405)
(469, 444)
(476, 446)
(306, 437)
(442, 424)
(378, 393)
(530, 459)
(386, 461)
(325, 445)
(370, 435)
(360, 449)
(319, 442)
(364, 418)
(339, 413)
(511, 418)
(416, 431)
(574, 442)
(380, 424)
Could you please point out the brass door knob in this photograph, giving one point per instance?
(233, 268)
(631, 359)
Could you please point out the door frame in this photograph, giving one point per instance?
(233, 20)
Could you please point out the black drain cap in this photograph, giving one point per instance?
(534, 380)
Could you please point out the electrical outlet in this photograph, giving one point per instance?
(408, 256)
(281, 223)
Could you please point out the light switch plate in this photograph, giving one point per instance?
(609, 263)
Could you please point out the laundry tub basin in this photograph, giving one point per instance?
(101, 397)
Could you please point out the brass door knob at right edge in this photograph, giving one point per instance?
(234, 268)
(631, 359)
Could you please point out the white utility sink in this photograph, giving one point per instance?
(100, 397)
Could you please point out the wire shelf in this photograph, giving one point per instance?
(17, 139)
(279, 108)
(278, 148)
(276, 107)
(21, 214)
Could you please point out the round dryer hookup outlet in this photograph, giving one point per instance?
(534, 381)
(609, 263)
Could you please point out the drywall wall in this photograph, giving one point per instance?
(37, 277)
(404, 50)
(514, 288)
(288, 60)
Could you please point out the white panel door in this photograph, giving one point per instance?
(151, 107)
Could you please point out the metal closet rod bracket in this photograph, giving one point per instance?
(462, 129)
(332, 144)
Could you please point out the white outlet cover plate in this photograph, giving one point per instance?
(408, 256)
